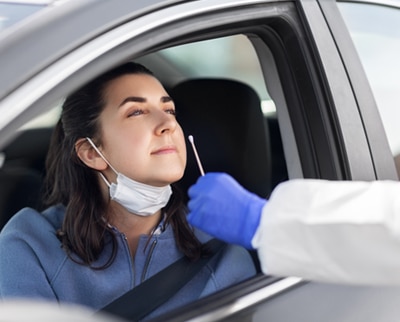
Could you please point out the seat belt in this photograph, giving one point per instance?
(153, 292)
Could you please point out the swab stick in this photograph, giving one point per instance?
(191, 139)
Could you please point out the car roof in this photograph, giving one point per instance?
(29, 1)
(49, 31)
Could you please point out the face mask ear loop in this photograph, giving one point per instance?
(105, 160)
(105, 180)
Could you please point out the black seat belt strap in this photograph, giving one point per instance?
(153, 292)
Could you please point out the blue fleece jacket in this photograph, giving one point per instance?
(33, 264)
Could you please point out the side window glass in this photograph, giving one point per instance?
(375, 30)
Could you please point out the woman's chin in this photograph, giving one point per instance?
(167, 179)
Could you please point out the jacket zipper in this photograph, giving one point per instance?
(146, 265)
(153, 245)
(125, 242)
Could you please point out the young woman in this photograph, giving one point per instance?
(114, 217)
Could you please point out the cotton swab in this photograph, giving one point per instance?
(191, 139)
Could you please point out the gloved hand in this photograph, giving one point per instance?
(221, 207)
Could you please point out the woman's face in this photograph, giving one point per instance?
(140, 135)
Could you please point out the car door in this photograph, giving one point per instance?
(328, 123)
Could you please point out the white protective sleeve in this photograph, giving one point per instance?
(332, 231)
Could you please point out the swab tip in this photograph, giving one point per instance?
(190, 137)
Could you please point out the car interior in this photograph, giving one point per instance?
(224, 115)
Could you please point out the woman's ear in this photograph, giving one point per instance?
(89, 156)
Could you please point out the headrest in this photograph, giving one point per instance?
(226, 121)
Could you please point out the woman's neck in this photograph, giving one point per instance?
(133, 226)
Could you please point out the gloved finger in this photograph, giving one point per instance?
(204, 223)
(202, 183)
(194, 204)
(195, 219)
(201, 220)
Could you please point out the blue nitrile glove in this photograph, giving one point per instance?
(221, 207)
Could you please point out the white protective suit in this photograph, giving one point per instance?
(332, 231)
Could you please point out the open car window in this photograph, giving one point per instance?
(231, 57)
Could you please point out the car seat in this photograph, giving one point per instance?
(22, 172)
(225, 118)
(19, 188)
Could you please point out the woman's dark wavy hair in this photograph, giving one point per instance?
(84, 232)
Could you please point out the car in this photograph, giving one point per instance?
(318, 97)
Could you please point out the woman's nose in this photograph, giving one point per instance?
(166, 123)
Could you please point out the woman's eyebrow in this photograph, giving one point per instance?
(133, 99)
(138, 99)
(166, 99)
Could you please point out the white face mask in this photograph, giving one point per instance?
(138, 198)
